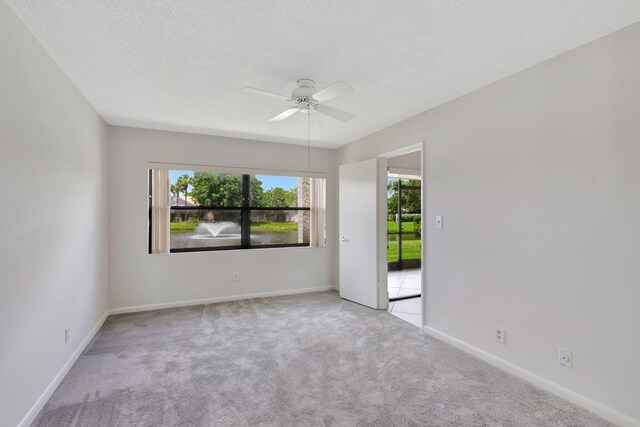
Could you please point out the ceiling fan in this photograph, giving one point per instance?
(306, 97)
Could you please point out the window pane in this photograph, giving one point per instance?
(411, 245)
(392, 225)
(204, 228)
(278, 227)
(392, 201)
(410, 201)
(180, 183)
(272, 191)
(212, 189)
(392, 248)
(411, 223)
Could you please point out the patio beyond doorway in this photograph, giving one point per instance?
(405, 283)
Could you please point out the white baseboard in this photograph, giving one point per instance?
(42, 400)
(603, 411)
(184, 303)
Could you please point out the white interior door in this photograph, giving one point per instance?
(358, 215)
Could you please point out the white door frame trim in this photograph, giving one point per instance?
(382, 230)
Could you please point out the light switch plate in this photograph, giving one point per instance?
(439, 223)
(565, 357)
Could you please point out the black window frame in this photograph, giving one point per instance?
(401, 263)
(245, 221)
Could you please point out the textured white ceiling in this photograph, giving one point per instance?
(181, 65)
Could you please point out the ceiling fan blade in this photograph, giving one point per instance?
(335, 113)
(286, 113)
(265, 93)
(336, 89)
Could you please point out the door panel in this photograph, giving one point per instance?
(358, 211)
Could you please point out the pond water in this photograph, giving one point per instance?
(222, 234)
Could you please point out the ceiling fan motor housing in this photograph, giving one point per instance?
(303, 95)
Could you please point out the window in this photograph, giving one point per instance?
(404, 225)
(206, 211)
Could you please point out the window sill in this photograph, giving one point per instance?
(235, 250)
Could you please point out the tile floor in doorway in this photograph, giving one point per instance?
(401, 283)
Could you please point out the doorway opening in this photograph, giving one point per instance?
(371, 241)
(404, 236)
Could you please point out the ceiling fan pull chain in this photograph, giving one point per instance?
(309, 137)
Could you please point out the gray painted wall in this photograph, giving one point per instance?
(53, 250)
(538, 179)
(137, 278)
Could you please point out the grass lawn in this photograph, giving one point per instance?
(274, 226)
(410, 243)
(190, 226)
(392, 226)
(410, 249)
(183, 227)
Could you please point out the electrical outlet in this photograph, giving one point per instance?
(66, 335)
(235, 277)
(565, 357)
(499, 333)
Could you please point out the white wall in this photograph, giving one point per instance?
(410, 161)
(137, 278)
(538, 179)
(53, 247)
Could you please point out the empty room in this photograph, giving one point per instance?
(329, 213)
